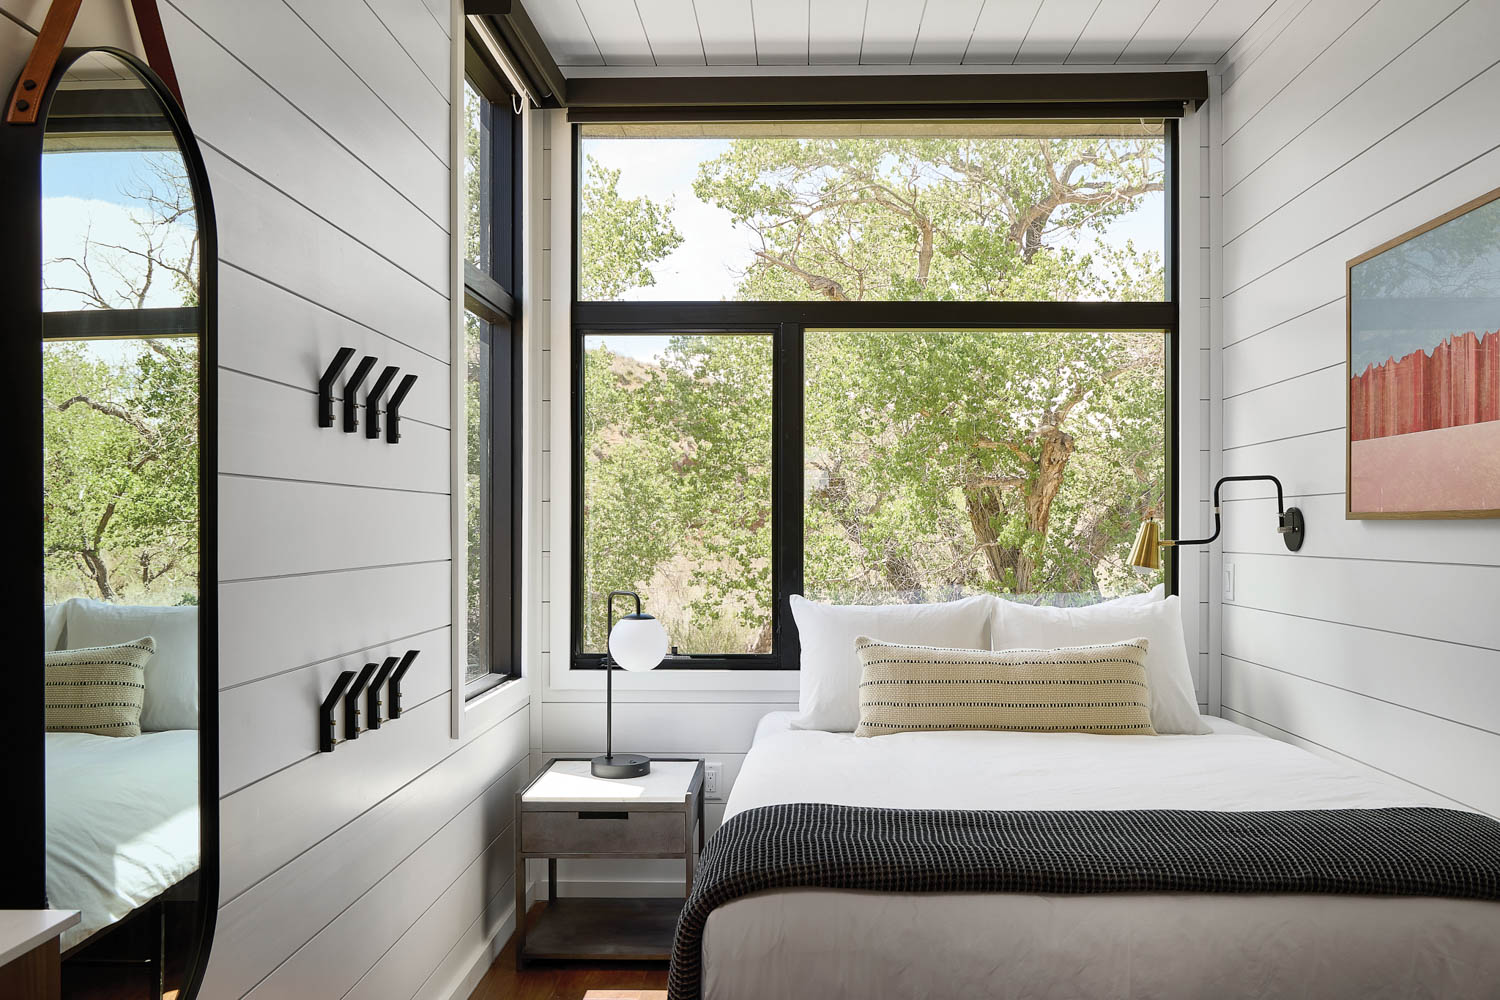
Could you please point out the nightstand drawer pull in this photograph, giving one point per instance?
(604, 815)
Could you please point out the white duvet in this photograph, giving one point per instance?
(122, 822)
(824, 943)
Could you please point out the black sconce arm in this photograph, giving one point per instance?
(1289, 519)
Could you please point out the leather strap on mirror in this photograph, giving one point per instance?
(49, 45)
(24, 103)
(154, 41)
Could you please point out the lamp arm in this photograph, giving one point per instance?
(1218, 519)
(609, 669)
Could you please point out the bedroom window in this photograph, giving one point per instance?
(491, 401)
(869, 362)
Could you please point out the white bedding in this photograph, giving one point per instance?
(122, 822)
(817, 943)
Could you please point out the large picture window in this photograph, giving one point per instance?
(868, 362)
(488, 352)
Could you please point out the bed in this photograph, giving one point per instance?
(122, 822)
(814, 942)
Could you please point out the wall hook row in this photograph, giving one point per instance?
(372, 398)
(349, 686)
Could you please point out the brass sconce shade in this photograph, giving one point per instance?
(1146, 553)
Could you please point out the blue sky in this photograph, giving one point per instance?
(704, 266)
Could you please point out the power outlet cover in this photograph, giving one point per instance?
(713, 773)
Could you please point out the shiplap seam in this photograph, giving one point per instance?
(1288, 437)
(324, 482)
(329, 659)
(457, 746)
(223, 262)
(323, 218)
(313, 392)
(405, 858)
(1289, 378)
(315, 123)
(1367, 628)
(402, 46)
(1308, 65)
(1369, 559)
(1365, 218)
(339, 569)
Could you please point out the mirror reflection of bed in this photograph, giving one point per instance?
(120, 372)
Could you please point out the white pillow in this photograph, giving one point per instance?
(1156, 593)
(52, 625)
(171, 675)
(1174, 704)
(829, 678)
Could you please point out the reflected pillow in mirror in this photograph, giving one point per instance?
(96, 689)
(172, 674)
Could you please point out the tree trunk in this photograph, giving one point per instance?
(98, 572)
(986, 503)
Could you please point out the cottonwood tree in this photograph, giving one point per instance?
(1005, 461)
(120, 427)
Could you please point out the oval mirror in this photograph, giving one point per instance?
(127, 472)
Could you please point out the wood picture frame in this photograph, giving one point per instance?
(1416, 394)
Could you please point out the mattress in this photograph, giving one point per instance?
(814, 942)
(122, 822)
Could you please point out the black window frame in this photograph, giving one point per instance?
(493, 297)
(788, 322)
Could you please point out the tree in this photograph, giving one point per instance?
(935, 462)
(120, 427)
(622, 239)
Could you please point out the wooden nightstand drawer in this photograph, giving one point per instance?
(604, 831)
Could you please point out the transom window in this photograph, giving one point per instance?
(870, 363)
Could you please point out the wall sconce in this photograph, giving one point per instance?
(1146, 553)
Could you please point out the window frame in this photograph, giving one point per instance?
(494, 299)
(788, 322)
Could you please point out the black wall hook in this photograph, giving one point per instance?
(372, 401)
(351, 702)
(393, 409)
(327, 727)
(351, 393)
(325, 385)
(372, 693)
(394, 696)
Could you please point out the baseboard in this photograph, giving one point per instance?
(485, 957)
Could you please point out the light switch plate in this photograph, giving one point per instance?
(1229, 581)
(713, 771)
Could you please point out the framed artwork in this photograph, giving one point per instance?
(1424, 370)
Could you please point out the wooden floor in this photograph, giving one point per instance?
(617, 981)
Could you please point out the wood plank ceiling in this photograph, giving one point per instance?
(593, 33)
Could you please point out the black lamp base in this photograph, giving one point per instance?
(621, 765)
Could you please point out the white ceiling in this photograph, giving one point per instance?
(593, 33)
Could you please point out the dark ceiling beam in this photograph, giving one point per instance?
(984, 89)
(530, 54)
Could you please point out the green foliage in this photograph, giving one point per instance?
(120, 472)
(623, 237)
(935, 463)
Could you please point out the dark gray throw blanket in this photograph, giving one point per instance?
(1372, 852)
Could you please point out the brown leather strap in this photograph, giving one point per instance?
(49, 45)
(154, 41)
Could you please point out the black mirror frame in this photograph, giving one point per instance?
(21, 714)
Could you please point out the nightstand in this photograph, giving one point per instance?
(566, 812)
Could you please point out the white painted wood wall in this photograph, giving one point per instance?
(1346, 123)
(383, 870)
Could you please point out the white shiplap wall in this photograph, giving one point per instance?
(676, 713)
(383, 869)
(1348, 123)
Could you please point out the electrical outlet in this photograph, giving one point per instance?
(713, 772)
(1229, 581)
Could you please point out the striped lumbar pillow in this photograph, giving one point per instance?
(1076, 689)
(98, 689)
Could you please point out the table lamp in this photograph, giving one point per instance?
(636, 642)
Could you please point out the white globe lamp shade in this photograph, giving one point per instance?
(638, 642)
